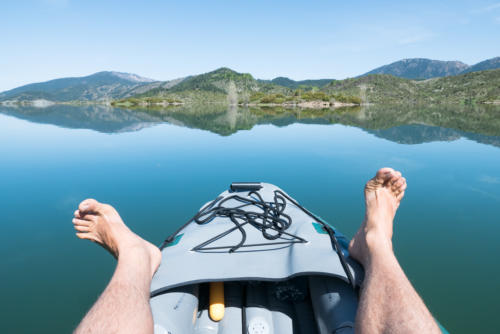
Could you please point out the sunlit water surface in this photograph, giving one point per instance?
(158, 170)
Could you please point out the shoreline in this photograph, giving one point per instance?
(116, 104)
(307, 104)
(164, 104)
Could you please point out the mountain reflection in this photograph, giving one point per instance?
(404, 125)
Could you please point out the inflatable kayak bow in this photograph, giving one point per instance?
(254, 261)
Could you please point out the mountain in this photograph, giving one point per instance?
(394, 83)
(468, 88)
(489, 64)
(96, 87)
(220, 85)
(420, 68)
(226, 85)
(289, 83)
(217, 81)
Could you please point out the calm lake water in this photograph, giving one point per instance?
(158, 167)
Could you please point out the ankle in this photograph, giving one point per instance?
(132, 248)
(377, 243)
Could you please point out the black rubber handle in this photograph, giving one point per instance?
(245, 186)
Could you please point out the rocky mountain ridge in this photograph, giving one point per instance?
(216, 85)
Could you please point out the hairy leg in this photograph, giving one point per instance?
(123, 307)
(388, 303)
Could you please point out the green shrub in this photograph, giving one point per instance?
(257, 96)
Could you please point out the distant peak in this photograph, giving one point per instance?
(427, 60)
(224, 69)
(227, 72)
(421, 68)
(415, 59)
(130, 77)
(281, 79)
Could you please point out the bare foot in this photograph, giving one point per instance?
(101, 223)
(383, 194)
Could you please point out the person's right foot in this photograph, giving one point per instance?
(383, 194)
(101, 223)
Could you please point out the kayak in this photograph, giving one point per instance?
(253, 260)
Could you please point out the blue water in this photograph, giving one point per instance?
(157, 174)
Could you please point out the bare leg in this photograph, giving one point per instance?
(123, 307)
(388, 303)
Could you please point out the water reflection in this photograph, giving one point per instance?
(404, 125)
(157, 177)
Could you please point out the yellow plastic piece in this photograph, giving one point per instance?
(216, 299)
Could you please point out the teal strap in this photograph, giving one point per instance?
(443, 330)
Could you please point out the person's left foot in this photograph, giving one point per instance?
(101, 223)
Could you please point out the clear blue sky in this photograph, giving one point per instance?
(46, 39)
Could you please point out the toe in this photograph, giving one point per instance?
(384, 174)
(400, 196)
(400, 190)
(395, 176)
(107, 209)
(402, 181)
(82, 228)
(392, 182)
(89, 218)
(398, 183)
(399, 186)
(88, 205)
(82, 222)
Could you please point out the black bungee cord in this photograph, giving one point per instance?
(272, 218)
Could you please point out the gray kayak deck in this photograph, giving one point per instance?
(305, 249)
